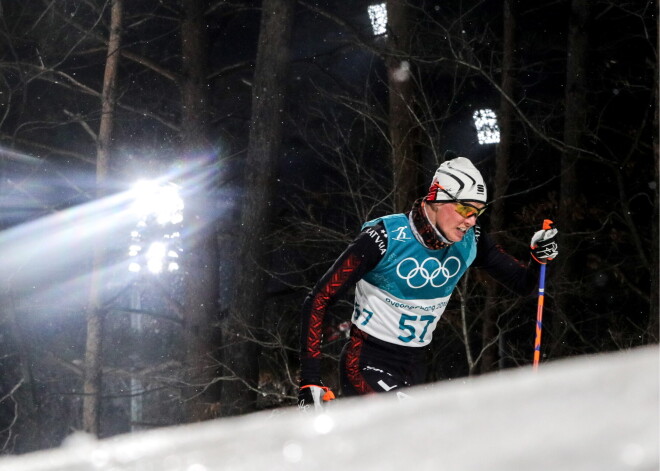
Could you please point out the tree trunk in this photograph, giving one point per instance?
(575, 124)
(201, 278)
(405, 160)
(95, 310)
(249, 292)
(654, 312)
(575, 114)
(491, 358)
(18, 385)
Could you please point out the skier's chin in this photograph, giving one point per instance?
(457, 235)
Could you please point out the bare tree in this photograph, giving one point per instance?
(490, 335)
(654, 318)
(575, 131)
(249, 291)
(405, 157)
(19, 388)
(95, 315)
(202, 285)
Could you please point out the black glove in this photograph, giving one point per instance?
(543, 246)
(313, 396)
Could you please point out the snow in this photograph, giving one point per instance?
(595, 413)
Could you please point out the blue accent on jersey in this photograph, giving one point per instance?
(410, 271)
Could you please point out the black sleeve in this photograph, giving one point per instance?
(507, 270)
(361, 256)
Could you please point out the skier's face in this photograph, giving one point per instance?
(449, 222)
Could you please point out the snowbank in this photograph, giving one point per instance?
(590, 413)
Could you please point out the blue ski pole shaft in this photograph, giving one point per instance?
(539, 309)
(539, 319)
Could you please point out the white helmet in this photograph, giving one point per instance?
(457, 179)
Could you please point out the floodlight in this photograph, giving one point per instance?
(159, 211)
(488, 131)
(378, 17)
(154, 257)
(158, 201)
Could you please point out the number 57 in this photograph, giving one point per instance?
(406, 324)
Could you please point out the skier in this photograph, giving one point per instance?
(404, 268)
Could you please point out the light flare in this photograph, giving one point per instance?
(47, 261)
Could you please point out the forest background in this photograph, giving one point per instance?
(284, 126)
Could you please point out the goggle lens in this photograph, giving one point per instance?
(467, 210)
(464, 209)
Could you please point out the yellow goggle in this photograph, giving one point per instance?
(464, 209)
(467, 210)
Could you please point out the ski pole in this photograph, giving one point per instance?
(547, 224)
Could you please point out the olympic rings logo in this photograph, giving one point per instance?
(430, 270)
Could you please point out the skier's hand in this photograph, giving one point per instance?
(543, 246)
(313, 396)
